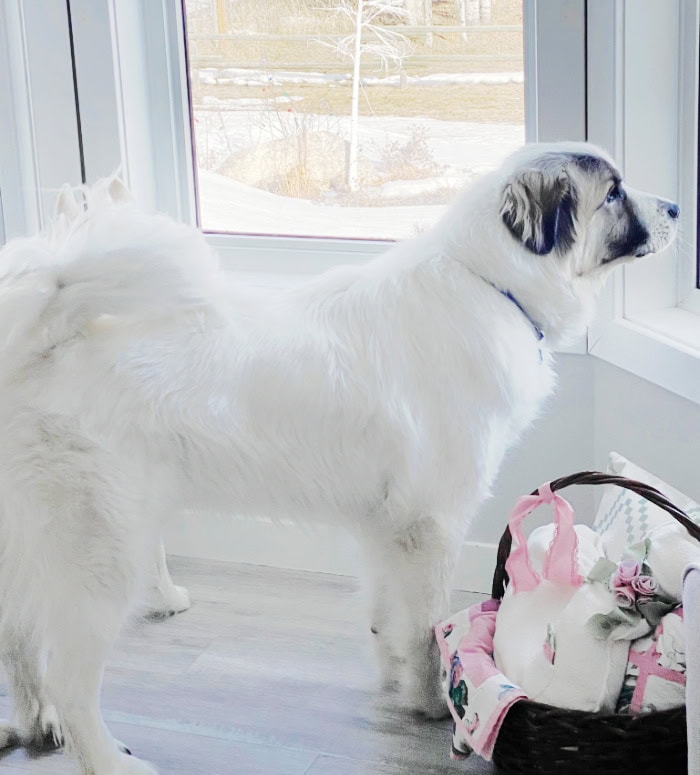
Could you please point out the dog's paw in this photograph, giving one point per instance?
(165, 603)
(46, 733)
(9, 736)
(389, 685)
(37, 725)
(390, 672)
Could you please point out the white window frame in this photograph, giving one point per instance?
(39, 130)
(689, 129)
(642, 106)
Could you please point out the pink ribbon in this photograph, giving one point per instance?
(560, 564)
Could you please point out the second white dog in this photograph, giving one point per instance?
(136, 378)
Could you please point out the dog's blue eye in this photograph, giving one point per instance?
(615, 194)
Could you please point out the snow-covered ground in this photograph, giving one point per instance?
(462, 151)
(227, 205)
(247, 77)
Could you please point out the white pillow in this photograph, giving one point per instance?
(624, 518)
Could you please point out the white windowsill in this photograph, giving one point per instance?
(678, 327)
(292, 257)
(661, 346)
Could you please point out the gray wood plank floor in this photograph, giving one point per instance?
(269, 672)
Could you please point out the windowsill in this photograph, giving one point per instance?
(662, 347)
(289, 257)
(678, 327)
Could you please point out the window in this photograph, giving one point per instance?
(126, 93)
(302, 129)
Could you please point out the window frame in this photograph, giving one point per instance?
(40, 146)
(647, 323)
(690, 139)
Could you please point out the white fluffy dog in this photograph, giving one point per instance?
(137, 378)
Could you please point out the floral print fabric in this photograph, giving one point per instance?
(478, 695)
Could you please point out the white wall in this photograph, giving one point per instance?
(647, 424)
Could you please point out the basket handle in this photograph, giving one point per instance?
(500, 576)
(560, 559)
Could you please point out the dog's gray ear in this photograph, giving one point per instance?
(539, 209)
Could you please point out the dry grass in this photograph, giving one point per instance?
(479, 102)
(503, 103)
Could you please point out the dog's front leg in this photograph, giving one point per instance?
(73, 681)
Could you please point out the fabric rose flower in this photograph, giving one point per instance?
(625, 597)
(626, 572)
(645, 586)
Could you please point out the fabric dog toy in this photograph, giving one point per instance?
(546, 638)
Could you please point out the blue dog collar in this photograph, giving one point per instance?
(538, 331)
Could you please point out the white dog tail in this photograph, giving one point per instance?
(104, 258)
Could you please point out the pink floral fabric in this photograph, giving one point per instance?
(479, 696)
(656, 669)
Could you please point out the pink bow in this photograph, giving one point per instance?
(560, 564)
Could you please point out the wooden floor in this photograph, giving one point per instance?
(269, 672)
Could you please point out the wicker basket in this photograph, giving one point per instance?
(537, 739)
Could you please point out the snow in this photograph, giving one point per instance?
(228, 205)
(459, 151)
(465, 149)
(223, 104)
(247, 77)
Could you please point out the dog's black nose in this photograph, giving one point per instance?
(673, 210)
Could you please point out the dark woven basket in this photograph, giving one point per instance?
(537, 739)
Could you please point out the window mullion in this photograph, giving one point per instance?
(555, 78)
(39, 139)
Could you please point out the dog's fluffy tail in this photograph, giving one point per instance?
(102, 258)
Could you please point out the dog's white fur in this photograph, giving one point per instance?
(137, 378)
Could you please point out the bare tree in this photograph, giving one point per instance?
(419, 12)
(370, 37)
(473, 12)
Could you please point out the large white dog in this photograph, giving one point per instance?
(136, 378)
